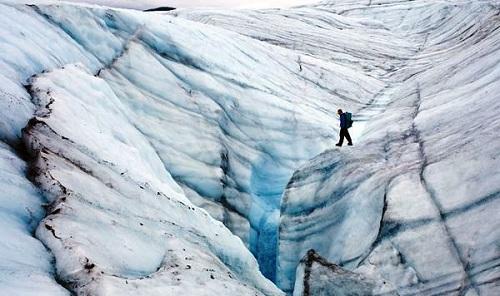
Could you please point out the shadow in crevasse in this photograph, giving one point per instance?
(267, 183)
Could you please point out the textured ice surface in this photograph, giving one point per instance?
(316, 276)
(318, 32)
(249, 128)
(26, 266)
(170, 108)
(118, 224)
(100, 153)
(415, 202)
(143, 118)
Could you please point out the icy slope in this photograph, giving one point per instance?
(154, 105)
(415, 203)
(117, 222)
(26, 267)
(317, 32)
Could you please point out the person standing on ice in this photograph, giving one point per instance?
(345, 124)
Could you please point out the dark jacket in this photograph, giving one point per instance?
(343, 120)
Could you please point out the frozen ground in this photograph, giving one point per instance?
(140, 131)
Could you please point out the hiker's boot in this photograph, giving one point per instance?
(349, 144)
(338, 145)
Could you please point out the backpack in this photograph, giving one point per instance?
(349, 121)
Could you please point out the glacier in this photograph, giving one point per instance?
(190, 151)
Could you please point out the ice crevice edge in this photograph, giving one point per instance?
(55, 155)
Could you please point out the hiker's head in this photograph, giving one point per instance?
(339, 111)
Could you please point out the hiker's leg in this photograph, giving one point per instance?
(342, 135)
(348, 137)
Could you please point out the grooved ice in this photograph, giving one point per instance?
(191, 151)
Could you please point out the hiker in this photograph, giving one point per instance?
(345, 124)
